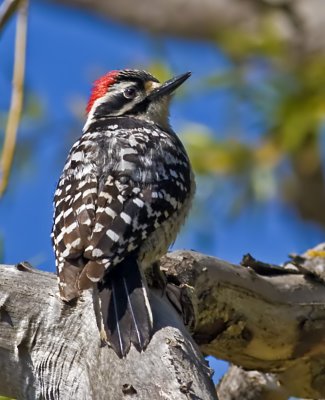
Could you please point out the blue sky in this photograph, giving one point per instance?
(67, 50)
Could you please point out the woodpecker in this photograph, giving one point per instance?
(125, 191)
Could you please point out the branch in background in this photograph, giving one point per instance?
(298, 24)
(250, 385)
(7, 10)
(17, 96)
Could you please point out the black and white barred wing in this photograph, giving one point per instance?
(75, 204)
(127, 214)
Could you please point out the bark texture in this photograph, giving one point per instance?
(252, 385)
(262, 317)
(49, 350)
(259, 317)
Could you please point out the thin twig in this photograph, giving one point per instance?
(17, 96)
(7, 10)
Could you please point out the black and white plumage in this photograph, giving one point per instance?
(124, 193)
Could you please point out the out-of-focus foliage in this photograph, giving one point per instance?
(32, 114)
(290, 97)
(33, 109)
(209, 155)
(242, 44)
(160, 71)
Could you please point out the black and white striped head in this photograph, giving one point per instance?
(132, 92)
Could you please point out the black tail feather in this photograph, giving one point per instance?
(125, 308)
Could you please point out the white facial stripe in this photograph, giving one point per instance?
(157, 111)
(114, 90)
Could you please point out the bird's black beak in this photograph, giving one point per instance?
(169, 87)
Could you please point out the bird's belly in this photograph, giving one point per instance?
(158, 242)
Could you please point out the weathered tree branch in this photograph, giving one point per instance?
(49, 350)
(272, 321)
(250, 385)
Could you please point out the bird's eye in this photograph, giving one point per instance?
(130, 92)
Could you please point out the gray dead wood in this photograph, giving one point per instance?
(49, 350)
(250, 385)
(273, 323)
